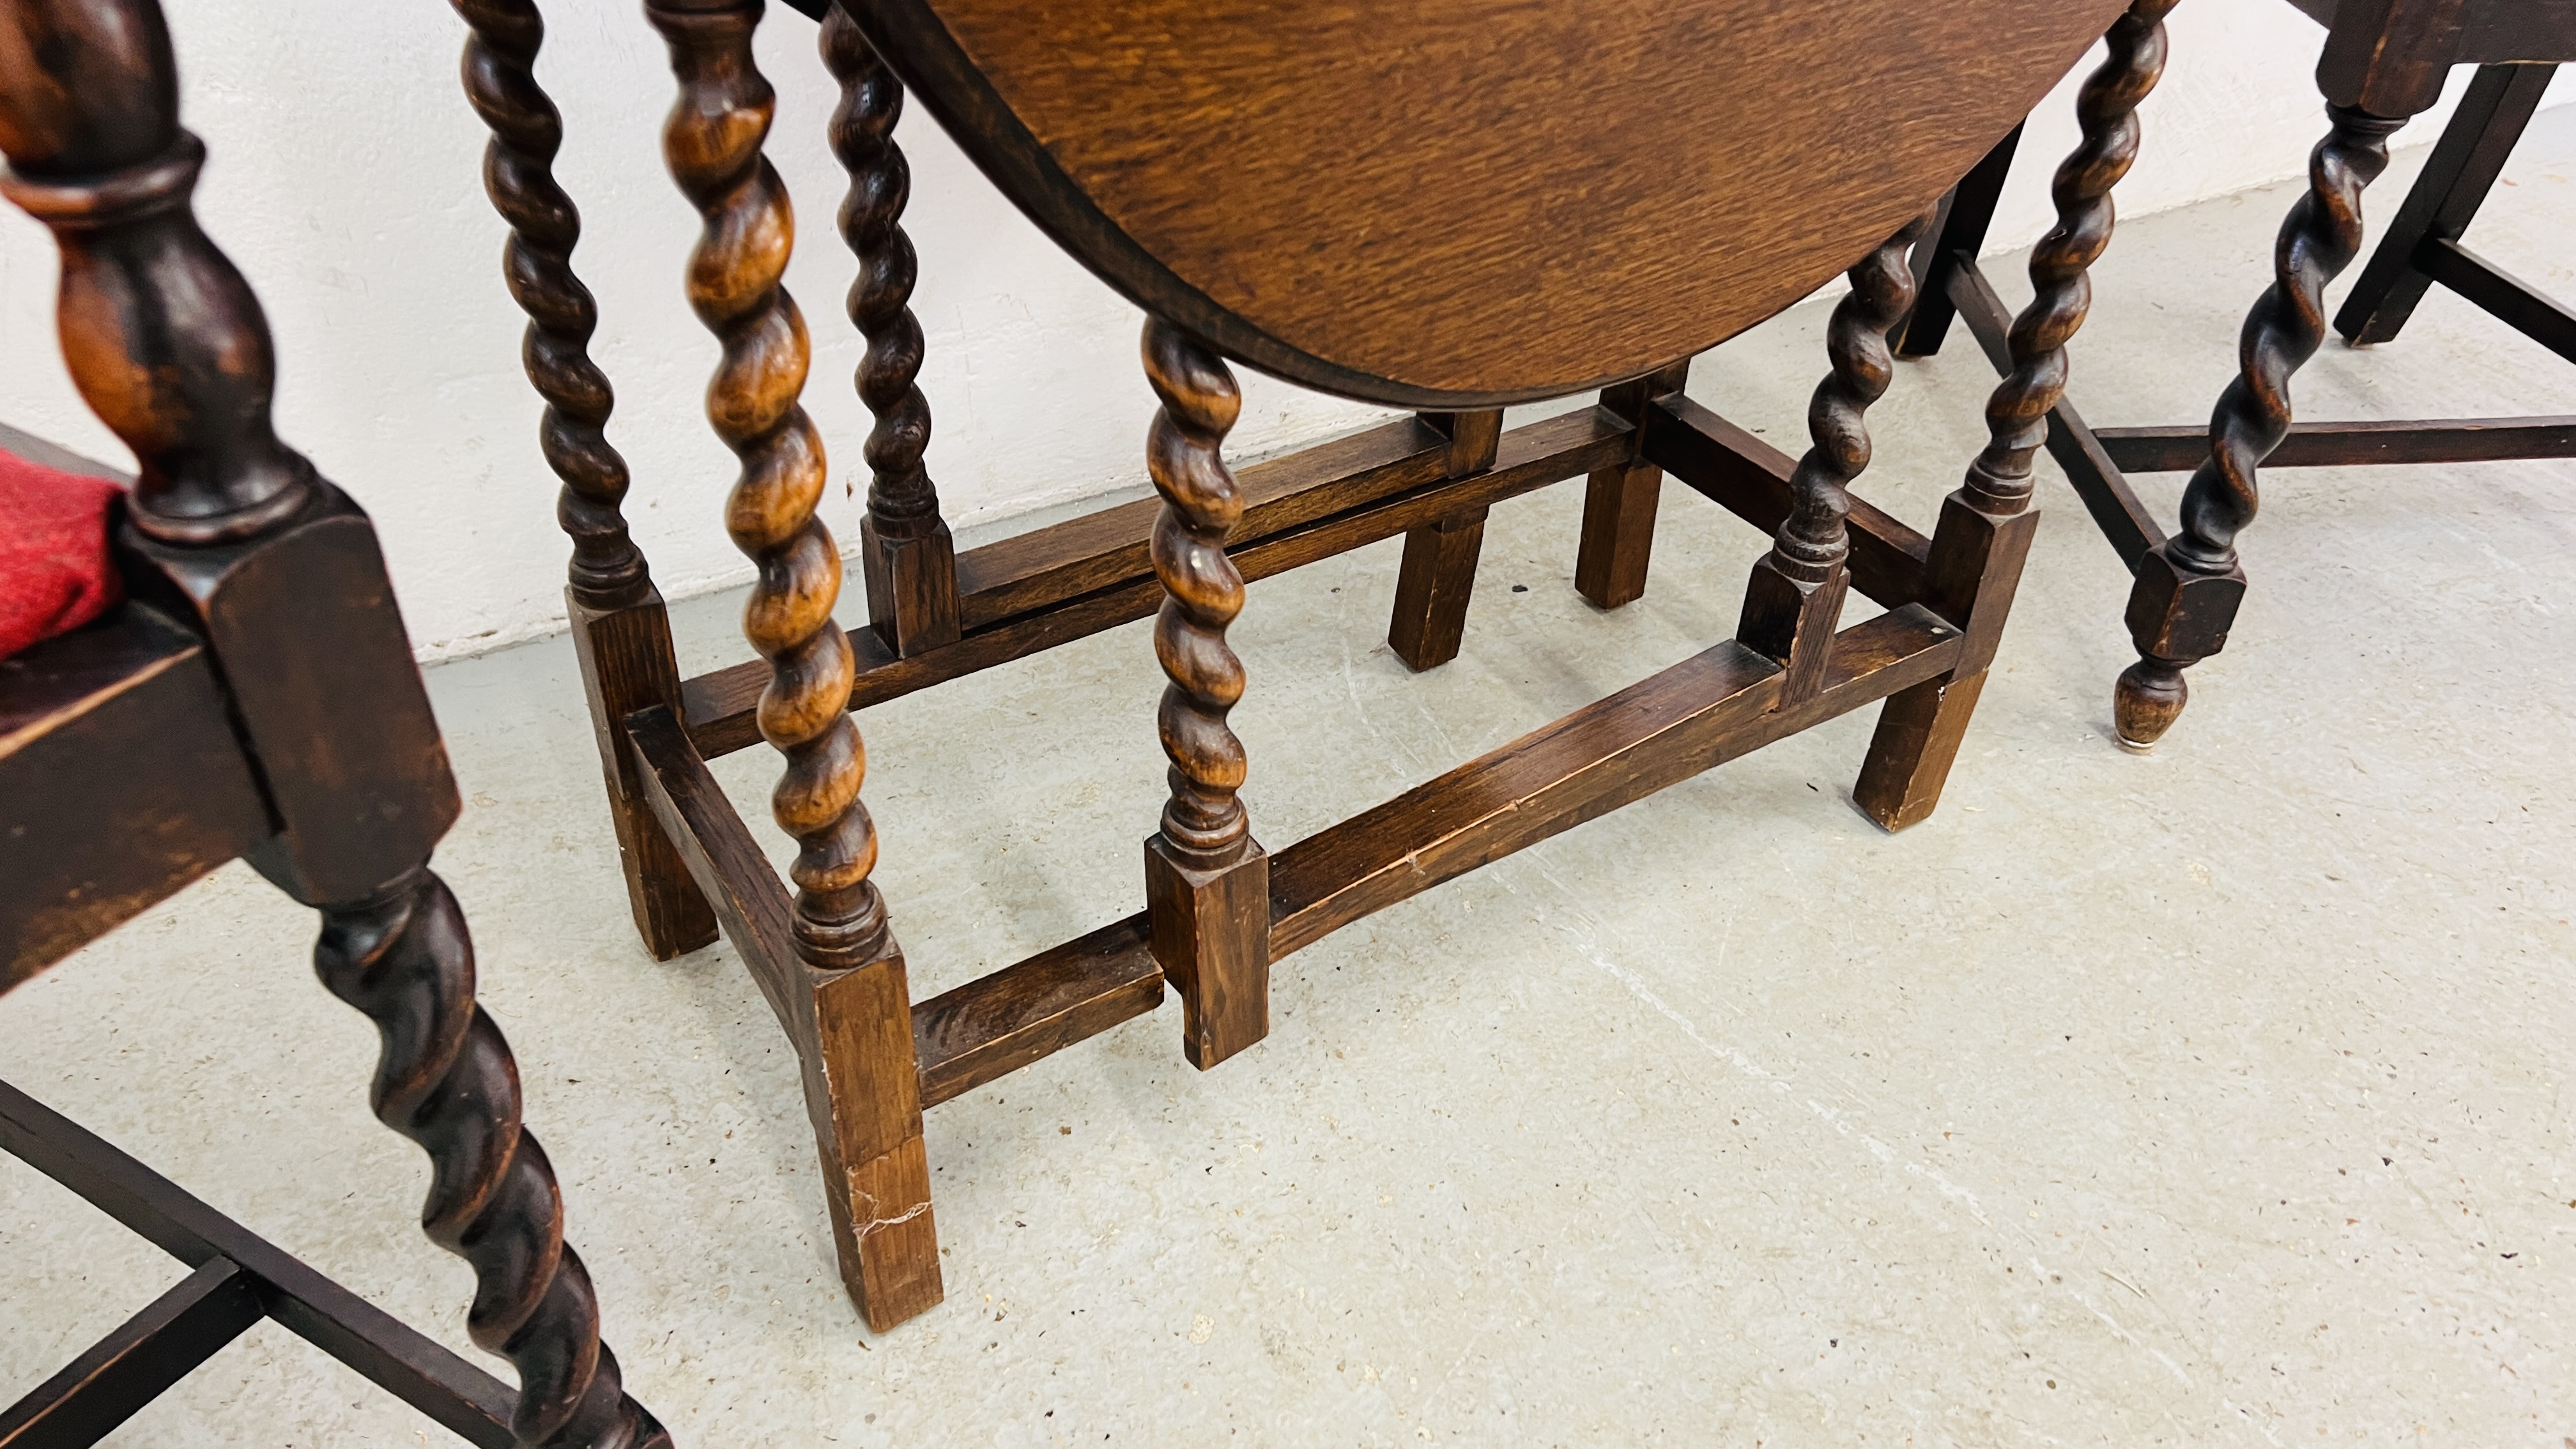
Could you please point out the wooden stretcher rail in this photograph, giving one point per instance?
(1700, 713)
(1750, 478)
(2500, 294)
(2179, 449)
(1398, 488)
(143, 1358)
(1082, 555)
(465, 1400)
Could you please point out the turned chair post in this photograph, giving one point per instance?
(1618, 536)
(2189, 587)
(848, 1003)
(1207, 881)
(230, 528)
(1986, 526)
(908, 559)
(621, 632)
(1438, 573)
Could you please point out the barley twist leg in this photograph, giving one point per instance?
(1203, 592)
(2189, 588)
(712, 144)
(500, 80)
(1999, 481)
(447, 1081)
(911, 561)
(1794, 599)
(1986, 526)
(1207, 880)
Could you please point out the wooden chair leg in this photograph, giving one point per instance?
(908, 558)
(619, 628)
(1439, 570)
(446, 1081)
(1959, 231)
(850, 1009)
(1986, 526)
(1619, 503)
(2188, 588)
(2445, 199)
(1794, 601)
(1207, 881)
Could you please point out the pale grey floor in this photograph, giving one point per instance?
(2215, 1097)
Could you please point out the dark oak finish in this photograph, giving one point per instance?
(1709, 709)
(997, 1024)
(233, 539)
(2347, 445)
(2463, 168)
(2384, 61)
(86, 849)
(1618, 537)
(720, 704)
(462, 1398)
(1429, 211)
(1347, 206)
(1206, 878)
(1439, 570)
(1794, 601)
(2188, 587)
(619, 628)
(910, 560)
(137, 1363)
(1986, 526)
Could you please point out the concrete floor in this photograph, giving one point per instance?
(2212, 1097)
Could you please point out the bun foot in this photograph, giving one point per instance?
(2145, 703)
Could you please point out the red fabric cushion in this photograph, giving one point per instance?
(55, 574)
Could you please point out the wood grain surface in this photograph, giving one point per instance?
(1454, 203)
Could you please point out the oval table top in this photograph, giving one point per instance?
(1465, 203)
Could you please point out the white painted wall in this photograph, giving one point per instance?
(345, 181)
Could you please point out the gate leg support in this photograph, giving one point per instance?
(1974, 570)
(1619, 503)
(1431, 590)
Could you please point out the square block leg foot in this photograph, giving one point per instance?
(863, 1088)
(912, 586)
(1909, 759)
(1210, 932)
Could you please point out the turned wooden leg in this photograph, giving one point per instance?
(2445, 199)
(2188, 588)
(1986, 526)
(909, 561)
(282, 577)
(1207, 881)
(1619, 503)
(446, 1080)
(1795, 598)
(1959, 231)
(1439, 569)
(619, 628)
(850, 1013)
